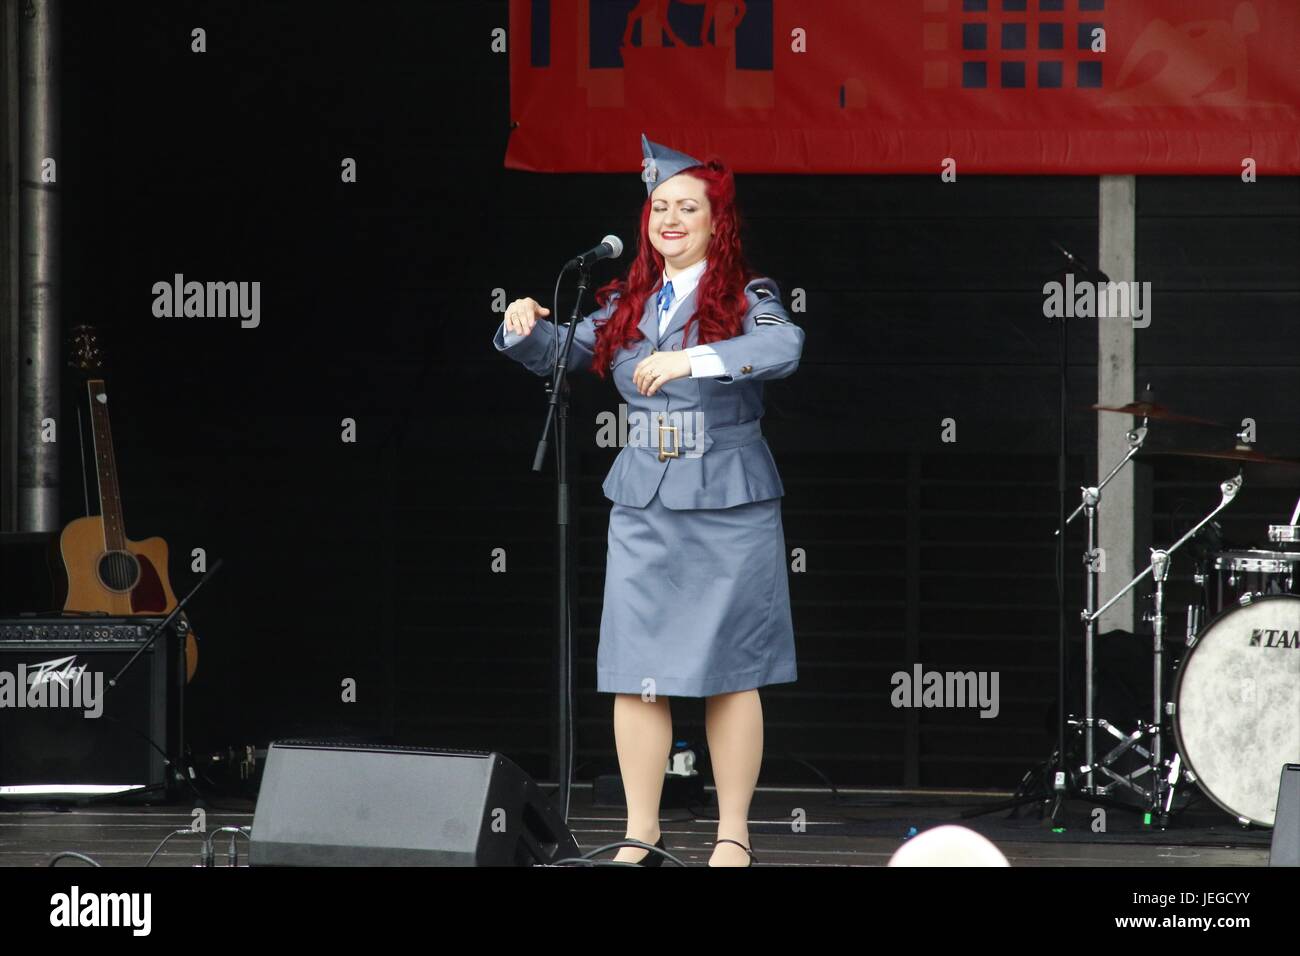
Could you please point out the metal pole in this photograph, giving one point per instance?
(1091, 498)
(1160, 566)
(38, 316)
(8, 264)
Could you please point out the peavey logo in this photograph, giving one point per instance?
(58, 683)
(103, 909)
(1275, 638)
(44, 673)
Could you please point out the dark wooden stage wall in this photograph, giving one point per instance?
(372, 560)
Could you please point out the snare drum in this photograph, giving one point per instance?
(1237, 705)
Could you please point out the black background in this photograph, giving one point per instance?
(372, 560)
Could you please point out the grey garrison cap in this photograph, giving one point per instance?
(664, 163)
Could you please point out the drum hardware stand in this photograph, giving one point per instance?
(1159, 574)
(1286, 533)
(1159, 569)
(1092, 559)
(1135, 439)
(1193, 622)
(1171, 782)
(1089, 505)
(1127, 743)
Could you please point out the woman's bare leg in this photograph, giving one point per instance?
(734, 724)
(643, 736)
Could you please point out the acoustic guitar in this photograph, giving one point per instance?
(107, 571)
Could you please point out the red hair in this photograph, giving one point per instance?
(720, 302)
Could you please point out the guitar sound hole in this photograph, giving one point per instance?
(119, 570)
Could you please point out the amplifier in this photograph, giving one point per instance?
(89, 629)
(64, 733)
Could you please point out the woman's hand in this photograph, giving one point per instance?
(521, 315)
(659, 367)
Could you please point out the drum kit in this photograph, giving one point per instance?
(1229, 721)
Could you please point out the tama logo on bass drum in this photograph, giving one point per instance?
(1273, 637)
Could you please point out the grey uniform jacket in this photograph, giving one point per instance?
(723, 458)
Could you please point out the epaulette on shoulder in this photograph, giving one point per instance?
(608, 308)
(762, 287)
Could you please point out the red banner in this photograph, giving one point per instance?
(900, 86)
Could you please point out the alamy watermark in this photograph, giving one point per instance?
(58, 683)
(1098, 300)
(133, 911)
(681, 430)
(950, 689)
(209, 300)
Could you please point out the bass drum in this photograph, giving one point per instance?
(1237, 705)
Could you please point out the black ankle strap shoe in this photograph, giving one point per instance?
(653, 859)
(752, 858)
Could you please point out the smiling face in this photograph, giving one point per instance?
(681, 222)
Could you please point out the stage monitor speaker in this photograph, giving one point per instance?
(1285, 850)
(329, 804)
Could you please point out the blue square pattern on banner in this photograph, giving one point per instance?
(974, 75)
(1085, 34)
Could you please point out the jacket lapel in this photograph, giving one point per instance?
(649, 324)
(680, 317)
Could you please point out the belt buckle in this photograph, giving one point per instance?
(676, 440)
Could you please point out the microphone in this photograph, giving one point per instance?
(1078, 263)
(611, 247)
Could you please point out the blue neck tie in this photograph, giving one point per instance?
(665, 299)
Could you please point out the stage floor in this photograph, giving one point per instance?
(858, 828)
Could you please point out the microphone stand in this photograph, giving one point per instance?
(557, 415)
(1060, 774)
(180, 665)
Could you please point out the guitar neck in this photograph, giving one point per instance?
(110, 499)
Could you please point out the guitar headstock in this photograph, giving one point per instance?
(84, 351)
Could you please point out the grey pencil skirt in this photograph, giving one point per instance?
(697, 601)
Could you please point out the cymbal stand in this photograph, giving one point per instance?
(1159, 569)
(1092, 559)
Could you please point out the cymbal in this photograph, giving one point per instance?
(1231, 454)
(1157, 412)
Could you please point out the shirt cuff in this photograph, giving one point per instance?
(509, 337)
(705, 362)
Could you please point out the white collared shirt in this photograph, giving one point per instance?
(705, 362)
